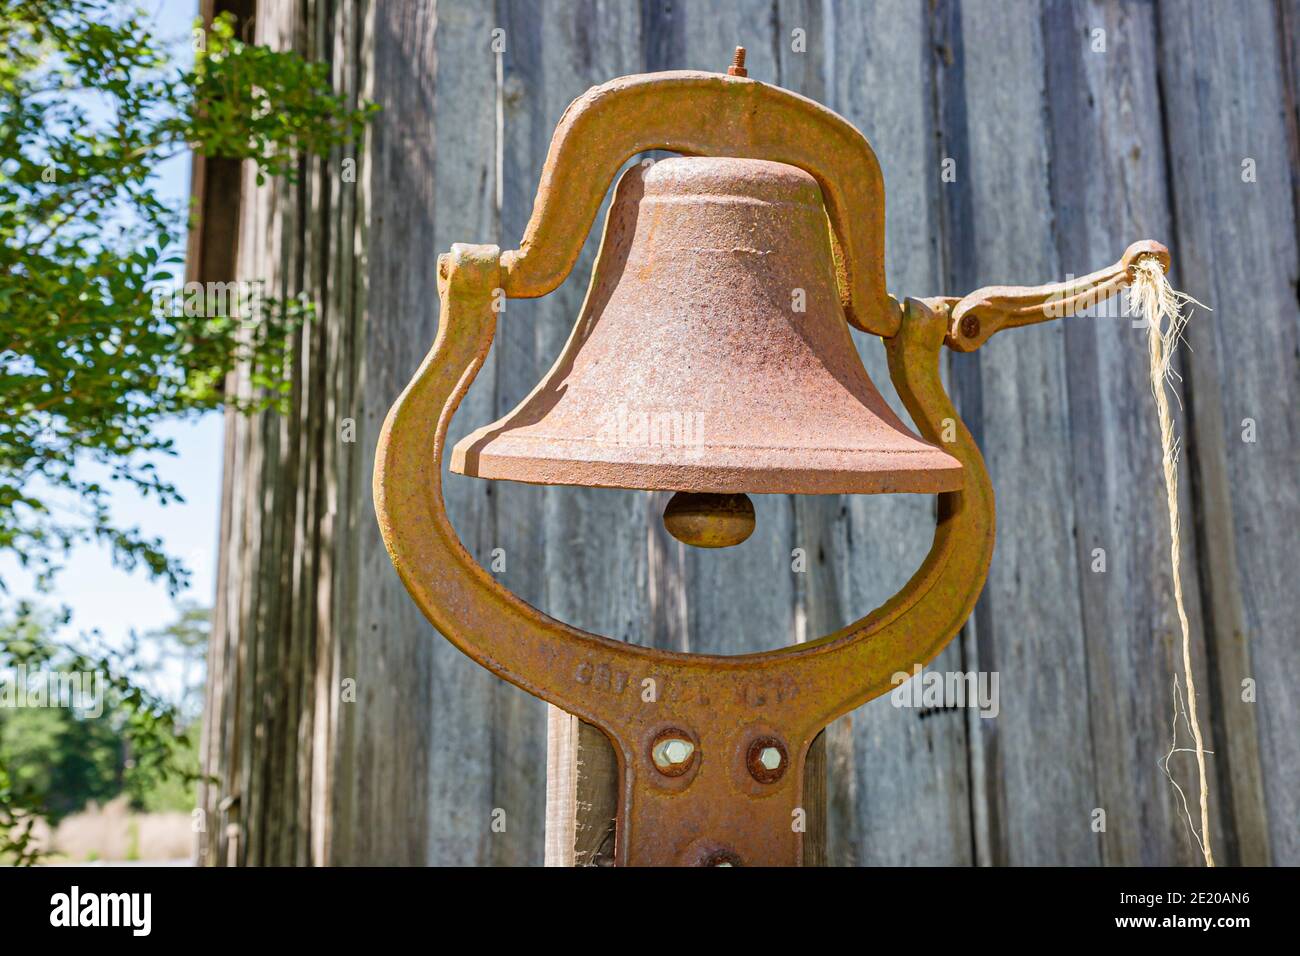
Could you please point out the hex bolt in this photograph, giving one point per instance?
(673, 753)
(766, 759)
(737, 67)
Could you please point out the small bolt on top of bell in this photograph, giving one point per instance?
(737, 67)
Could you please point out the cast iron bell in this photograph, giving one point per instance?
(712, 357)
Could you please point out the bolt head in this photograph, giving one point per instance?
(766, 759)
(673, 753)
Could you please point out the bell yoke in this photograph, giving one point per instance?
(712, 357)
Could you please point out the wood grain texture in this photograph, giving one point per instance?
(1031, 632)
(581, 792)
(471, 776)
(587, 545)
(1101, 160)
(1225, 84)
(907, 763)
(805, 54)
(1063, 154)
(393, 654)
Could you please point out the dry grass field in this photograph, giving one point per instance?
(114, 834)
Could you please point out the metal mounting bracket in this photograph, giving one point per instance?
(711, 764)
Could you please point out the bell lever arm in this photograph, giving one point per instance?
(977, 316)
(707, 114)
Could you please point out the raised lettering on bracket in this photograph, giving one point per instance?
(772, 692)
(601, 677)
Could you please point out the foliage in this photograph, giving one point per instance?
(185, 640)
(54, 759)
(90, 362)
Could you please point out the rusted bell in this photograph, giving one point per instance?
(712, 355)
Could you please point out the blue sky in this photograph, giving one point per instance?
(106, 598)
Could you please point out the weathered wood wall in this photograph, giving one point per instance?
(342, 729)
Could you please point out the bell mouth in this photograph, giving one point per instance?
(706, 469)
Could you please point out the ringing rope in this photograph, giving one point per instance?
(1165, 314)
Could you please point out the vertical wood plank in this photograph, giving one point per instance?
(904, 763)
(333, 794)
(333, 577)
(1037, 776)
(583, 549)
(1224, 82)
(562, 799)
(393, 651)
(805, 53)
(518, 721)
(463, 769)
(581, 792)
(1108, 164)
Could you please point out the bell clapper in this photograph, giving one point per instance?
(709, 520)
